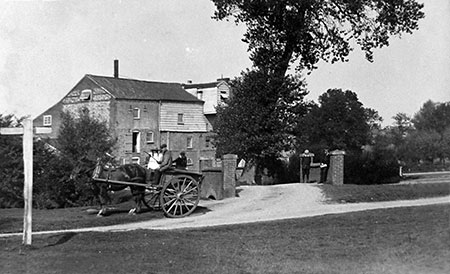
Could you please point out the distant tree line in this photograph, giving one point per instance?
(421, 142)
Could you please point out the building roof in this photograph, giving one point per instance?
(206, 85)
(122, 88)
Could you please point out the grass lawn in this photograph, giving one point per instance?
(377, 193)
(400, 240)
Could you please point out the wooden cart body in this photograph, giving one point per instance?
(177, 193)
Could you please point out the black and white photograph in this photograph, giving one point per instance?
(225, 136)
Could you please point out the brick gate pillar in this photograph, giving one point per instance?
(336, 172)
(229, 163)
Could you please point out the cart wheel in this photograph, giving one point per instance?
(180, 196)
(151, 199)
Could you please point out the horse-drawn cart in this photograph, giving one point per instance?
(177, 193)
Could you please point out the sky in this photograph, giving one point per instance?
(46, 47)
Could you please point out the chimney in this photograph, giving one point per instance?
(116, 68)
(226, 79)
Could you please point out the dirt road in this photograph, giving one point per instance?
(258, 203)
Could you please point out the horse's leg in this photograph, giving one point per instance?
(133, 193)
(138, 200)
(104, 200)
(97, 190)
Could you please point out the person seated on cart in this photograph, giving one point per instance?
(153, 165)
(164, 164)
(181, 161)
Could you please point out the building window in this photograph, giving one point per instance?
(207, 142)
(136, 144)
(47, 120)
(180, 119)
(86, 95)
(150, 137)
(136, 113)
(223, 96)
(135, 160)
(200, 94)
(189, 142)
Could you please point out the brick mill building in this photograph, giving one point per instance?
(142, 115)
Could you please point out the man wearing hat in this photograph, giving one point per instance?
(181, 161)
(306, 160)
(164, 164)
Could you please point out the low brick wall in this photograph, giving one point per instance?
(212, 185)
(220, 182)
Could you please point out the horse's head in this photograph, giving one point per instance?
(98, 170)
(102, 163)
(85, 167)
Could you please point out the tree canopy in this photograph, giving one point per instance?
(433, 116)
(81, 140)
(257, 120)
(422, 142)
(280, 32)
(339, 121)
(431, 138)
(83, 137)
(285, 34)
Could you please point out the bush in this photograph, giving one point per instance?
(379, 166)
(80, 142)
(11, 165)
(54, 186)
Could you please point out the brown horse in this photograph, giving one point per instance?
(104, 178)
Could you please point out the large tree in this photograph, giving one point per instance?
(303, 32)
(280, 32)
(339, 121)
(257, 120)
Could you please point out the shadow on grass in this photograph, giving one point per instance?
(61, 239)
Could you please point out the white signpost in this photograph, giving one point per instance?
(27, 132)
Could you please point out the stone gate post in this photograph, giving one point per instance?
(337, 167)
(229, 163)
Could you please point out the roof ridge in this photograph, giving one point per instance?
(132, 79)
(125, 88)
